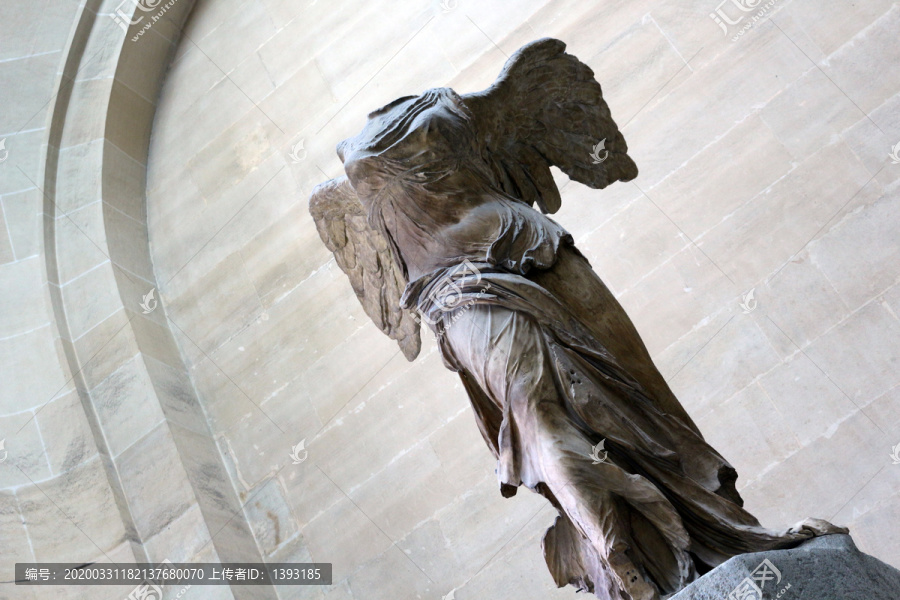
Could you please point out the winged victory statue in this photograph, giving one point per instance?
(435, 223)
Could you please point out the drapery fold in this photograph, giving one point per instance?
(547, 387)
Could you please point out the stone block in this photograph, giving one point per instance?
(270, 518)
(128, 121)
(124, 182)
(872, 537)
(283, 255)
(874, 45)
(671, 301)
(801, 301)
(66, 433)
(251, 77)
(23, 451)
(809, 113)
(862, 354)
(758, 237)
(237, 36)
(154, 482)
(30, 387)
(306, 87)
(346, 70)
(885, 412)
(89, 299)
(77, 185)
(156, 339)
(16, 547)
(731, 91)
(26, 85)
(128, 243)
(806, 398)
(633, 244)
(371, 352)
(518, 569)
(800, 487)
(391, 575)
(722, 177)
(867, 231)
(214, 111)
(344, 536)
(585, 210)
(21, 211)
(126, 406)
(207, 322)
(143, 68)
(370, 433)
(105, 348)
(87, 105)
(70, 516)
(24, 302)
(80, 242)
(406, 491)
(636, 64)
(737, 355)
(181, 539)
(21, 171)
(236, 151)
(456, 543)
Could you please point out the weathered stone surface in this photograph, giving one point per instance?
(826, 567)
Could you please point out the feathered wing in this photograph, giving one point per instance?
(363, 253)
(546, 109)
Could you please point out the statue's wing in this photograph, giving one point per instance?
(546, 109)
(363, 253)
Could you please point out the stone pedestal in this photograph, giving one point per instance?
(824, 568)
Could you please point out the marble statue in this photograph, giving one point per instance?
(434, 222)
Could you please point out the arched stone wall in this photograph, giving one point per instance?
(141, 478)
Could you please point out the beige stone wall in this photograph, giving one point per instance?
(764, 166)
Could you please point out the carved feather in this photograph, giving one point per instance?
(363, 253)
(547, 109)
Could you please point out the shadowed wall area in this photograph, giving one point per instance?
(248, 409)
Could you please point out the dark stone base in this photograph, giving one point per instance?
(824, 568)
